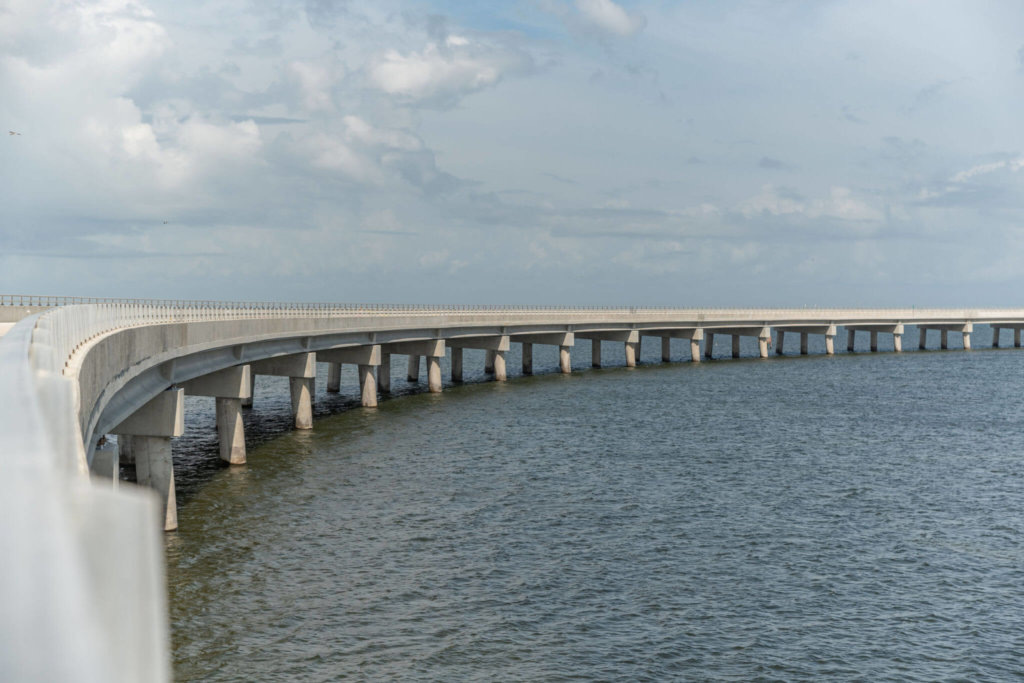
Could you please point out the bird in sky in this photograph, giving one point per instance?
(11, 132)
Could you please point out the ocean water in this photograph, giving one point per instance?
(856, 517)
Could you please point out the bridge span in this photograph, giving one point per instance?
(83, 571)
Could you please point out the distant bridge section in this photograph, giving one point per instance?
(83, 568)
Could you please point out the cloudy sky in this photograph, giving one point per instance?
(700, 153)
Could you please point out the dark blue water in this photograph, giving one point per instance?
(855, 517)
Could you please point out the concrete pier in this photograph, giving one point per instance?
(897, 343)
(874, 341)
(944, 340)
(595, 353)
(500, 374)
(694, 350)
(995, 337)
(247, 401)
(300, 369)
(527, 358)
(666, 349)
(631, 354)
(564, 359)
(895, 329)
(152, 427)
(966, 340)
(228, 387)
(1016, 338)
(922, 340)
(384, 373)
(333, 377)
(230, 430)
(106, 465)
(368, 385)
(434, 374)
(735, 346)
(709, 345)
(830, 344)
(803, 343)
(850, 337)
(780, 341)
(456, 364)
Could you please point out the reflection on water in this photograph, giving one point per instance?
(855, 517)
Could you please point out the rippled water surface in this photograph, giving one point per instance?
(856, 517)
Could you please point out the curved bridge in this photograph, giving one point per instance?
(88, 578)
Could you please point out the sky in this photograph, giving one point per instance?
(555, 152)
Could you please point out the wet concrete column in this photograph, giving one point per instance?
(922, 339)
(456, 364)
(434, 374)
(694, 350)
(527, 358)
(564, 360)
(666, 349)
(874, 340)
(830, 344)
(301, 389)
(384, 373)
(595, 353)
(780, 341)
(630, 354)
(709, 344)
(897, 343)
(368, 385)
(500, 373)
(995, 337)
(967, 341)
(735, 346)
(762, 346)
(489, 362)
(803, 343)
(333, 377)
(247, 401)
(850, 336)
(230, 430)
(943, 340)
(413, 375)
(1016, 339)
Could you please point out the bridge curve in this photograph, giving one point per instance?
(72, 371)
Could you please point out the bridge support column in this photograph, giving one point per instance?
(564, 360)
(384, 373)
(709, 345)
(762, 346)
(694, 350)
(874, 340)
(631, 354)
(300, 369)
(334, 377)
(780, 341)
(368, 386)
(850, 336)
(230, 430)
(943, 339)
(151, 429)
(595, 353)
(666, 349)
(456, 364)
(489, 362)
(995, 337)
(527, 358)
(922, 339)
(1016, 338)
(106, 464)
(434, 374)
(967, 341)
(154, 469)
(413, 375)
(247, 400)
(124, 449)
(897, 343)
(301, 389)
(735, 346)
(803, 343)
(830, 344)
(500, 374)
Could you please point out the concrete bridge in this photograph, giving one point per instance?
(83, 568)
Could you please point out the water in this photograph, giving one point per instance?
(856, 517)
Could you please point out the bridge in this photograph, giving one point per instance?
(83, 589)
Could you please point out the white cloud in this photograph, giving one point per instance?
(1013, 165)
(608, 17)
(839, 204)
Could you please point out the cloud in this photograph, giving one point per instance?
(445, 71)
(609, 18)
(1012, 165)
(839, 204)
